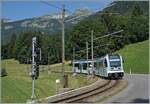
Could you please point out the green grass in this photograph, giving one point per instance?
(136, 57)
(16, 86)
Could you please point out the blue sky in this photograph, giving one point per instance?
(17, 10)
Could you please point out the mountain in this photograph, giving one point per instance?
(49, 24)
(5, 20)
(125, 7)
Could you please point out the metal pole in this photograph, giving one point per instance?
(33, 67)
(48, 59)
(63, 44)
(73, 59)
(48, 64)
(92, 51)
(33, 83)
(40, 55)
(87, 56)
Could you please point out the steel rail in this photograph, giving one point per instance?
(85, 94)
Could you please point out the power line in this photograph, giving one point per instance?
(109, 34)
(93, 47)
(77, 17)
(52, 5)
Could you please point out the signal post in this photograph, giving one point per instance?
(36, 57)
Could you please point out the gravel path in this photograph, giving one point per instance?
(137, 90)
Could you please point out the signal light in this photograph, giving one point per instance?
(36, 57)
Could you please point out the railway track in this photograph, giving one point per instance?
(85, 93)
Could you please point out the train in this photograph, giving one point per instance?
(108, 66)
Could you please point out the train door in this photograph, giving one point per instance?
(80, 67)
(76, 67)
(98, 68)
(84, 69)
(95, 67)
(101, 68)
(105, 67)
(89, 68)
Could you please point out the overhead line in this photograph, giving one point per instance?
(93, 47)
(71, 12)
(52, 5)
(108, 34)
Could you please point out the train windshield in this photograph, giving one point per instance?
(115, 64)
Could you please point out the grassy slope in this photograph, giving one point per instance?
(16, 87)
(136, 57)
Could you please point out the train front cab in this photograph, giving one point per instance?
(115, 67)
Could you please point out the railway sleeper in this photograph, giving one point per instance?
(75, 93)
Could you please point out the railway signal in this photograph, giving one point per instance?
(36, 57)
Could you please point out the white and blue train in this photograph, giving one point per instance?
(109, 66)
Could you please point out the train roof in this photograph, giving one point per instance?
(114, 56)
(82, 61)
(111, 56)
(85, 61)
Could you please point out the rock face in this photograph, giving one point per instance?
(49, 24)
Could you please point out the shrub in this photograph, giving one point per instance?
(3, 72)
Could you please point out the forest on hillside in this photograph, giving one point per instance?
(135, 29)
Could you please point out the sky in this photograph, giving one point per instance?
(17, 10)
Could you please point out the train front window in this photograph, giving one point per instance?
(115, 64)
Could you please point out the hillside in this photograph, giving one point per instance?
(125, 7)
(136, 57)
(16, 86)
(135, 29)
(49, 24)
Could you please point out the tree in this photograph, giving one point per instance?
(12, 45)
(4, 51)
(137, 11)
(137, 25)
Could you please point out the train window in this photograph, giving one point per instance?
(94, 64)
(84, 66)
(105, 63)
(76, 65)
(80, 66)
(115, 63)
(114, 56)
